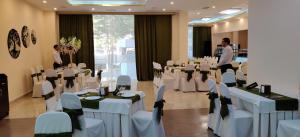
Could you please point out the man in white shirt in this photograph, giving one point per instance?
(56, 56)
(226, 57)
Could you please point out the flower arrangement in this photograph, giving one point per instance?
(70, 46)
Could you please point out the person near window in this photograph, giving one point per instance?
(56, 56)
(226, 57)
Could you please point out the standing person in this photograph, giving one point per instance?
(56, 56)
(226, 57)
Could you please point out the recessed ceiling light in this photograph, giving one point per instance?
(163, 9)
(230, 11)
(198, 13)
(206, 19)
(93, 9)
(44, 1)
(55, 8)
(213, 7)
(172, 2)
(129, 9)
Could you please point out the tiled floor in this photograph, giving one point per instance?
(185, 114)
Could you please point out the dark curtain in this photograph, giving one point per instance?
(80, 26)
(201, 41)
(153, 42)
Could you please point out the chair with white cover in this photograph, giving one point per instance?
(187, 81)
(53, 124)
(201, 79)
(49, 96)
(82, 127)
(37, 85)
(234, 123)
(235, 65)
(218, 76)
(52, 77)
(170, 63)
(229, 78)
(40, 72)
(288, 128)
(150, 124)
(81, 65)
(124, 81)
(70, 83)
(241, 79)
(244, 67)
(214, 117)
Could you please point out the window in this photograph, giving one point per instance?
(114, 45)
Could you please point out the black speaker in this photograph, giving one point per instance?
(4, 102)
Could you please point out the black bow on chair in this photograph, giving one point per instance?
(189, 74)
(52, 81)
(70, 81)
(224, 106)
(212, 96)
(74, 115)
(159, 105)
(204, 75)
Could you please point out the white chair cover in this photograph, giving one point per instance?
(59, 86)
(170, 63)
(228, 77)
(288, 128)
(89, 127)
(70, 73)
(187, 85)
(244, 67)
(37, 85)
(238, 123)
(214, 118)
(81, 65)
(51, 102)
(38, 69)
(145, 123)
(72, 65)
(53, 123)
(202, 85)
(123, 80)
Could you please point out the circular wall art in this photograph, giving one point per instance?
(14, 43)
(25, 37)
(33, 37)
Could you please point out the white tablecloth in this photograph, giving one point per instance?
(265, 116)
(116, 114)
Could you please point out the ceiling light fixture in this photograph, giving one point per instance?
(44, 1)
(206, 19)
(55, 8)
(163, 9)
(230, 11)
(93, 9)
(198, 13)
(213, 7)
(129, 9)
(172, 2)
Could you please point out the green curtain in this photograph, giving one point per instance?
(80, 26)
(153, 42)
(201, 41)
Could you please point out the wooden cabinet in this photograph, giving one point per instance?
(4, 103)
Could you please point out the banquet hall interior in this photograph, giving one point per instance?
(149, 68)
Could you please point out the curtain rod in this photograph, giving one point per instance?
(118, 13)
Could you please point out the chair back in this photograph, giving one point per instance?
(235, 64)
(53, 123)
(72, 101)
(124, 80)
(190, 67)
(72, 65)
(49, 96)
(81, 65)
(159, 98)
(34, 76)
(204, 67)
(170, 63)
(228, 77)
(224, 91)
(51, 73)
(240, 75)
(212, 86)
(69, 73)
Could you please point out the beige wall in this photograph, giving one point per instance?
(15, 14)
(180, 36)
(229, 29)
(274, 44)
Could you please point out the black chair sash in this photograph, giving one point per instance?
(224, 106)
(126, 87)
(212, 96)
(159, 105)
(66, 134)
(99, 74)
(42, 71)
(52, 81)
(189, 74)
(231, 84)
(74, 115)
(49, 95)
(240, 83)
(204, 75)
(70, 81)
(34, 75)
(157, 72)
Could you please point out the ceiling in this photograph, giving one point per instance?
(195, 8)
